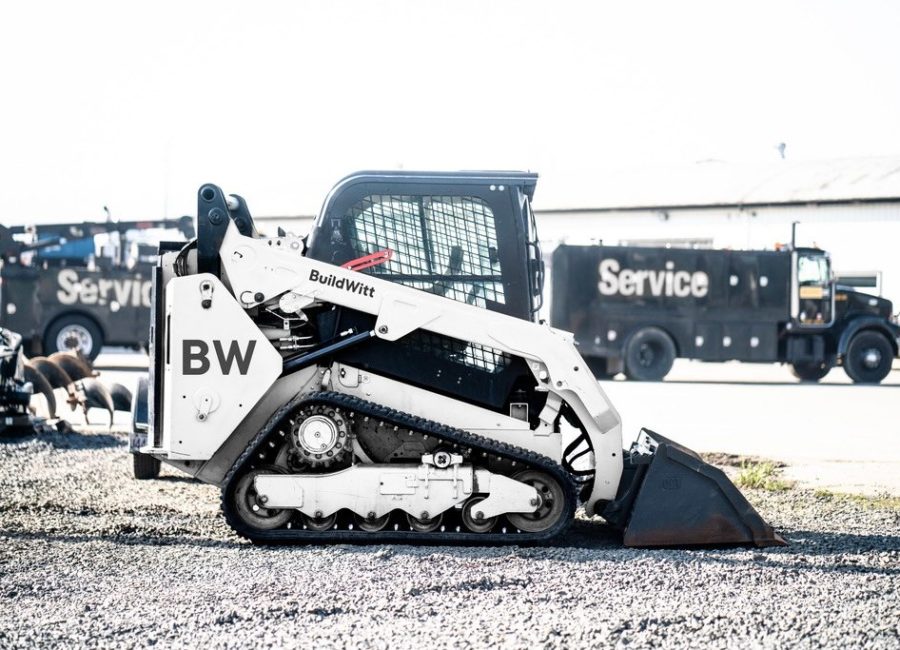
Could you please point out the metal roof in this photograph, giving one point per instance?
(717, 183)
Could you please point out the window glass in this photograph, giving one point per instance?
(812, 269)
(446, 245)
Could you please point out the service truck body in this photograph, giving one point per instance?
(115, 299)
(637, 308)
(81, 285)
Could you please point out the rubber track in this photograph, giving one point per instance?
(452, 435)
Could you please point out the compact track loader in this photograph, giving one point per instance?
(387, 379)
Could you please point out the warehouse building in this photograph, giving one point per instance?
(850, 208)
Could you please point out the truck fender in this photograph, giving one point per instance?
(892, 332)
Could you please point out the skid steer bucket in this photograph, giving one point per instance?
(670, 497)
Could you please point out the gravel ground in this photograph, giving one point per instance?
(91, 557)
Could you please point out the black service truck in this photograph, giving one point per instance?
(635, 309)
(81, 285)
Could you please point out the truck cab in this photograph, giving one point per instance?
(854, 328)
(812, 289)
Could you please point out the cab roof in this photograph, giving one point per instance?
(527, 181)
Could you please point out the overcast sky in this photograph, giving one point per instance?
(106, 104)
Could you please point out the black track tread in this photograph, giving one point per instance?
(361, 407)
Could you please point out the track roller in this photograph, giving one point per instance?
(320, 524)
(425, 524)
(249, 508)
(474, 519)
(371, 523)
(551, 506)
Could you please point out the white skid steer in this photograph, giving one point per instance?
(387, 379)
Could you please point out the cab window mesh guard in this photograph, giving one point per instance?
(446, 245)
(454, 350)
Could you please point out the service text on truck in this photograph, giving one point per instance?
(649, 282)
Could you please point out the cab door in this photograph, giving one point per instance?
(812, 304)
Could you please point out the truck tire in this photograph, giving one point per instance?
(145, 466)
(810, 370)
(73, 329)
(649, 354)
(868, 358)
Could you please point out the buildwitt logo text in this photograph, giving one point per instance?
(646, 282)
(342, 283)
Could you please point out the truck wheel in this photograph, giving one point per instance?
(869, 357)
(73, 331)
(649, 355)
(809, 370)
(145, 466)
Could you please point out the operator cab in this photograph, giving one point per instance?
(812, 292)
(467, 236)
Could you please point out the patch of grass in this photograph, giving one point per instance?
(762, 475)
(877, 502)
(735, 460)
